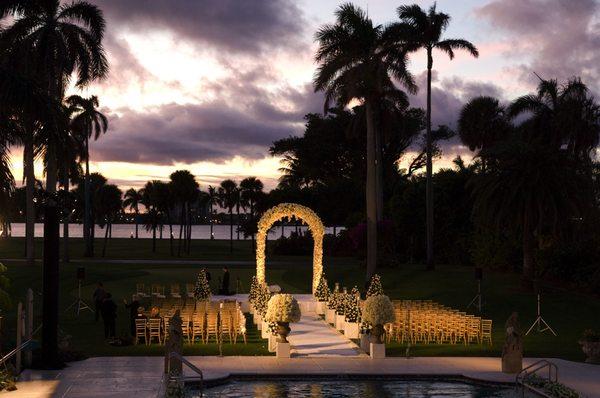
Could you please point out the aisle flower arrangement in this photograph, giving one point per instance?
(377, 311)
(322, 294)
(202, 288)
(375, 288)
(283, 309)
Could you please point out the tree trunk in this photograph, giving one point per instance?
(371, 194)
(379, 168)
(180, 230)
(170, 232)
(51, 167)
(231, 230)
(529, 273)
(189, 235)
(211, 221)
(28, 160)
(105, 239)
(50, 287)
(429, 170)
(238, 222)
(66, 222)
(136, 224)
(87, 217)
(154, 239)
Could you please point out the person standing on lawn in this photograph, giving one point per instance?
(133, 313)
(109, 316)
(225, 282)
(98, 298)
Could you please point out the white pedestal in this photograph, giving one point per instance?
(264, 330)
(365, 343)
(351, 330)
(330, 316)
(245, 306)
(283, 350)
(272, 343)
(319, 308)
(340, 320)
(377, 351)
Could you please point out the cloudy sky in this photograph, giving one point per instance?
(209, 84)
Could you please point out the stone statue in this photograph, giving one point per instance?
(512, 352)
(173, 366)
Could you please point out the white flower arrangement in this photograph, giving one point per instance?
(378, 310)
(283, 308)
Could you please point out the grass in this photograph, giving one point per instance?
(569, 313)
(141, 249)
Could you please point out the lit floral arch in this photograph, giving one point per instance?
(315, 226)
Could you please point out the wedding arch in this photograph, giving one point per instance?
(303, 213)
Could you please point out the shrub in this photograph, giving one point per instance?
(378, 310)
(375, 288)
(283, 308)
(252, 294)
(590, 336)
(352, 310)
(262, 299)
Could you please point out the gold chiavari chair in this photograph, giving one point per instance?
(474, 329)
(227, 325)
(486, 331)
(240, 326)
(198, 326)
(189, 289)
(175, 292)
(140, 331)
(212, 325)
(165, 325)
(154, 328)
(185, 325)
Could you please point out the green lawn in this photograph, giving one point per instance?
(569, 313)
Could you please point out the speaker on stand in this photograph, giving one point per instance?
(79, 304)
(477, 301)
(539, 324)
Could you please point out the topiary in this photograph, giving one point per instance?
(253, 291)
(322, 293)
(352, 310)
(202, 289)
(375, 288)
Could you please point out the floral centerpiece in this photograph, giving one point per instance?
(378, 311)
(283, 309)
(202, 288)
(590, 344)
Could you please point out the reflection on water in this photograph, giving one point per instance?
(363, 389)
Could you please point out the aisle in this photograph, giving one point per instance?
(313, 337)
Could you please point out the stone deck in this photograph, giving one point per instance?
(140, 377)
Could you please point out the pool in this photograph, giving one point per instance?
(380, 388)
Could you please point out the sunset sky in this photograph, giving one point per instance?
(208, 85)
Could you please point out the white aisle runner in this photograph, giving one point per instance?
(313, 337)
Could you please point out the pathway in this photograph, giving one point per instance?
(315, 338)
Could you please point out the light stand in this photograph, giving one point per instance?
(541, 324)
(477, 300)
(79, 304)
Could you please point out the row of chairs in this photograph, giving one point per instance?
(158, 291)
(429, 322)
(205, 321)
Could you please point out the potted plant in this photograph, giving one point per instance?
(590, 344)
(340, 310)
(364, 336)
(252, 293)
(332, 304)
(322, 295)
(283, 309)
(352, 313)
(378, 311)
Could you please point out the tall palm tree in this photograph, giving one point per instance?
(420, 29)
(251, 188)
(185, 191)
(151, 200)
(132, 201)
(212, 200)
(482, 123)
(87, 123)
(110, 206)
(227, 200)
(57, 41)
(355, 63)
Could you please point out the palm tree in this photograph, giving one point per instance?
(185, 191)
(212, 200)
(110, 206)
(227, 200)
(150, 200)
(87, 123)
(56, 41)
(251, 189)
(132, 201)
(419, 29)
(355, 62)
(482, 123)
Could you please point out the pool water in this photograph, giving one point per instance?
(356, 388)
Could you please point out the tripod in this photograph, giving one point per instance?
(539, 321)
(79, 304)
(476, 302)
